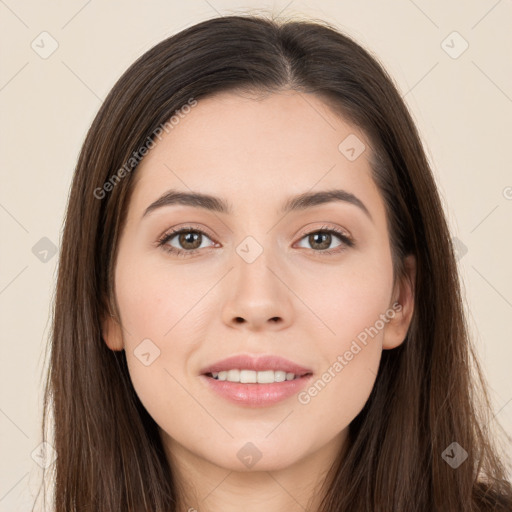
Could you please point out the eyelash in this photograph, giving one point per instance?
(162, 242)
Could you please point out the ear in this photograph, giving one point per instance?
(402, 305)
(111, 332)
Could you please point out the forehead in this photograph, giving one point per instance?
(251, 149)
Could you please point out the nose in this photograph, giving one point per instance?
(257, 296)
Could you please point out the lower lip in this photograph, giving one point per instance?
(256, 395)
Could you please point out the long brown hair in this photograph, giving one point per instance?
(429, 392)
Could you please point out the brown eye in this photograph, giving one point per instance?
(185, 241)
(321, 240)
(189, 239)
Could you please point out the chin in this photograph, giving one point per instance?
(249, 456)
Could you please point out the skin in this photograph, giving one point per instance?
(255, 153)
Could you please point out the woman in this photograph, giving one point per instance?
(257, 301)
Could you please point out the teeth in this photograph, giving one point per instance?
(253, 377)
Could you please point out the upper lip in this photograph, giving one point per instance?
(256, 363)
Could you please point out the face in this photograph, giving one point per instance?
(311, 284)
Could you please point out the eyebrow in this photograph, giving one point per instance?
(216, 204)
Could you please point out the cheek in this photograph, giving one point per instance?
(352, 300)
(349, 366)
(348, 297)
(157, 309)
(154, 296)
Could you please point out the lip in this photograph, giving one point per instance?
(256, 394)
(256, 363)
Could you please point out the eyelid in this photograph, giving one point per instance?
(326, 227)
(186, 227)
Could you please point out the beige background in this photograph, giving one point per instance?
(462, 105)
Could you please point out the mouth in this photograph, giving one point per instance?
(255, 377)
(256, 388)
(255, 380)
(249, 368)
